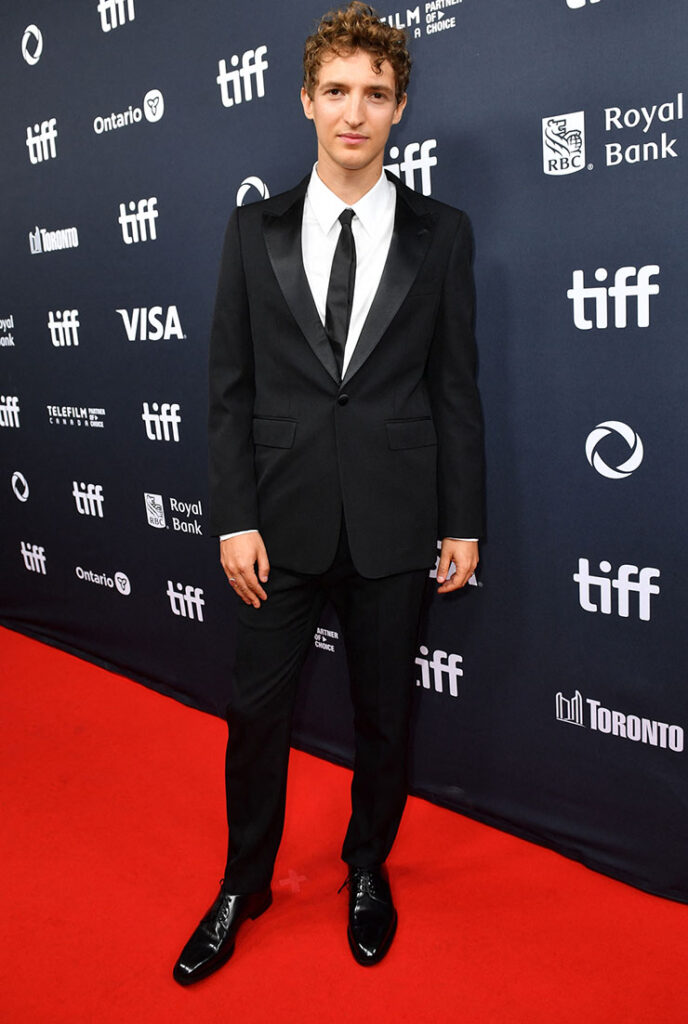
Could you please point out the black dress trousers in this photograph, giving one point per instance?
(379, 620)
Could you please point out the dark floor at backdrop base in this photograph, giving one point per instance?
(113, 844)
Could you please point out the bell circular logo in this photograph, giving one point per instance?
(20, 486)
(246, 186)
(32, 44)
(629, 435)
(153, 105)
(122, 583)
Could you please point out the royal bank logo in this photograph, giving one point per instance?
(630, 283)
(186, 601)
(237, 85)
(88, 499)
(591, 714)
(151, 323)
(574, 5)
(64, 327)
(114, 13)
(34, 558)
(597, 436)
(184, 516)
(152, 108)
(75, 416)
(433, 671)
(647, 118)
(20, 486)
(32, 44)
(137, 220)
(415, 165)
(596, 592)
(118, 581)
(252, 187)
(563, 143)
(9, 411)
(40, 141)
(6, 328)
(161, 421)
(42, 240)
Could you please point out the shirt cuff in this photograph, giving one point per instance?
(239, 533)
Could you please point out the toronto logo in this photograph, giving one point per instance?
(563, 143)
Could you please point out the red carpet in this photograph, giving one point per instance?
(113, 845)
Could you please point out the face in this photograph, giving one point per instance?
(353, 109)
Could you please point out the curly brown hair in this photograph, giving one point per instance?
(357, 27)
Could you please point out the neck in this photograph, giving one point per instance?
(348, 185)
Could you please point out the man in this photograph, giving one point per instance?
(345, 432)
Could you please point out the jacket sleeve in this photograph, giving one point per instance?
(233, 500)
(456, 406)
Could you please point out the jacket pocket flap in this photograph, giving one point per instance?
(417, 433)
(274, 433)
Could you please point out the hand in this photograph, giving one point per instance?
(464, 555)
(239, 557)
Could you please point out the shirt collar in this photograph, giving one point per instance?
(370, 208)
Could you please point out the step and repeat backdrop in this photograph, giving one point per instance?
(551, 693)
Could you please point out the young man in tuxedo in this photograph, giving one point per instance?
(345, 437)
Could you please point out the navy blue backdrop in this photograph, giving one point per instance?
(551, 698)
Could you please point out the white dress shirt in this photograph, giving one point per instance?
(372, 227)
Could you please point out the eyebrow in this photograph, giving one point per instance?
(344, 85)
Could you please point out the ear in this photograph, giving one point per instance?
(401, 106)
(307, 103)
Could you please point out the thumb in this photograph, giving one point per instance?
(443, 567)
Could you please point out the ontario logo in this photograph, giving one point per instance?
(563, 143)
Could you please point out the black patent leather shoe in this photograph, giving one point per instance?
(212, 944)
(372, 917)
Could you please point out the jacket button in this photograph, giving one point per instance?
(342, 399)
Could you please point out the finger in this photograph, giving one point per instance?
(251, 583)
(242, 590)
(263, 565)
(443, 567)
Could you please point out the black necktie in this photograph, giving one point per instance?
(340, 291)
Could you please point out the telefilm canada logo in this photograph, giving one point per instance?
(325, 639)
(118, 581)
(43, 240)
(41, 141)
(152, 109)
(76, 416)
(6, 328)
(151, 323)
(615, 429)
(591, 714)
(184, 516)
(238, 85)
(430, 18)
(415, 165)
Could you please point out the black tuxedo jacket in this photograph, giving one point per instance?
(396, 445)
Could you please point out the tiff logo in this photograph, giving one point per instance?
(41, 141)
(114, 13)
(570, 709)
(139, 224)
(162, 422)
(34, 558)
(88, 499)
(417, 157)
(253, 64)
(64, 327)
(186, 601)
(9, 411)
(440, 665)
(620, 291)
(624, 585)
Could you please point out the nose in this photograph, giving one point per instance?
(354, 114)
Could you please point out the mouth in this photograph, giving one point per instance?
(352, 137)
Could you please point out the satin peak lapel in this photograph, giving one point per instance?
(283, 239)
(410, 241)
